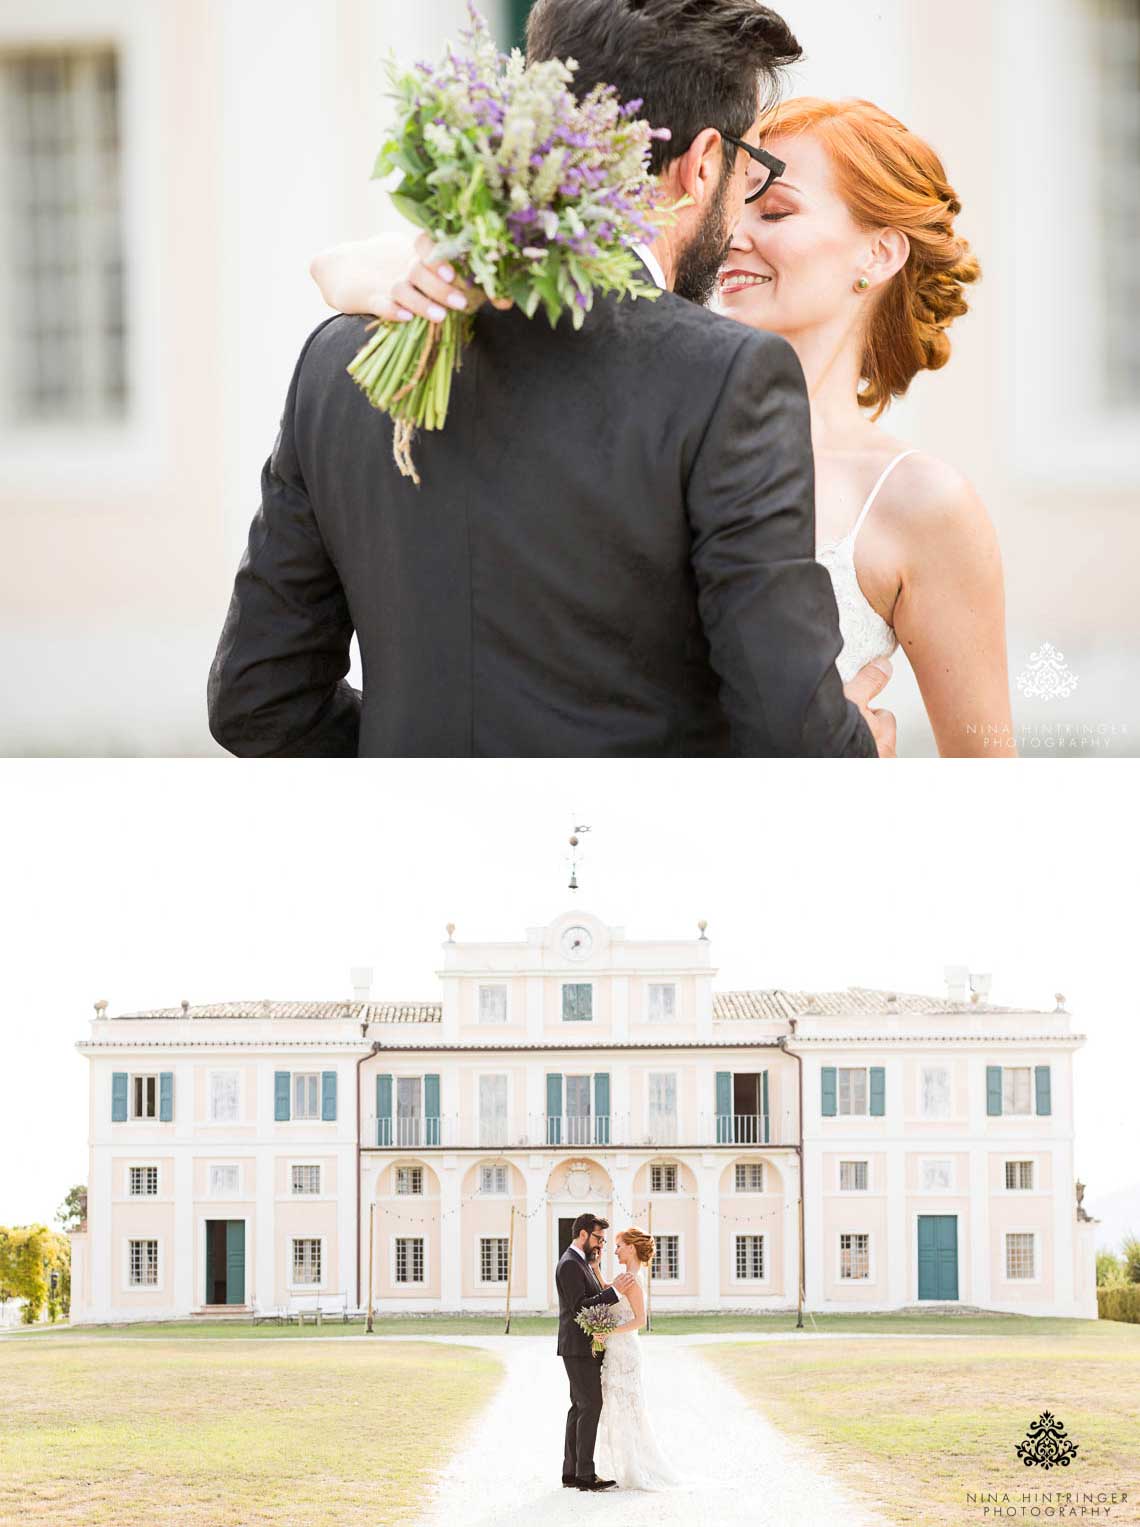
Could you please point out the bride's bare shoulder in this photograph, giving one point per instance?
(931, 507)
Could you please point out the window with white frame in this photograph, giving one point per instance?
(492, 1259)
(223, 1179)
(63, 326)
(663, 1177)
(1019, 1176)
(493, 1179)
(409, 1179)
(577, 1002)
(493, 1110)
(306, 1261)
(144, 1097)
(410, 1259)
(853, 1176)
(306, 1094)
(1020, 1261)
(305, 1179)
(143, 1182)
(492, 1004)
(1017, 1089)
(852, 1089)
(662, 1002)
(663, 1107)
(750, 1177)
(1117, 102)
(937, 1175)
(143, 1264)
(935, 1092)
(224, 1095)
(855, 1256)
(749, 1256)
(666, 1264)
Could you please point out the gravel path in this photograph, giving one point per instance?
(737, 1468)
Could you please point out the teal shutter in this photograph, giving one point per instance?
(724, 1107)
(431, 1110)
(383, 1110)
(328, 1095)
(878, 1091)
(993, 1091)
(165, 1097)
(554, 1108)
(517, 12)
(235, 1261)
(828, 1092)
(281, 1096)
(764, 1106)
(1043, 1081)
(602, 1108)
(119, 1097)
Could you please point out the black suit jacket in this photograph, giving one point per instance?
(612, 553)
(576, 1290)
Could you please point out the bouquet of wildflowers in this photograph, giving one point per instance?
(535, 196)
(596, 1320)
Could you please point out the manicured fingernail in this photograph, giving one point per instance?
(457, 300)
(446, 273)
(404, 316)
(436, 313)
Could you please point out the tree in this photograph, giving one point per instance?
(29, 1254)
(1131, 1254)
(72, 1212)
(1109, 1269)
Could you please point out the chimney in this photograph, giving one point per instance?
(101, 1008)
(361, 978)
(185, 1007)
(957, 978)
(980, 987)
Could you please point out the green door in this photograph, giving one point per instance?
(938, 1256)
(235, 1261)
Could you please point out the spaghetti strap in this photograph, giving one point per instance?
(874, 493)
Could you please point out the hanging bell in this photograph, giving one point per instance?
(573, 879)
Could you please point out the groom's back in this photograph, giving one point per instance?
(536, 595)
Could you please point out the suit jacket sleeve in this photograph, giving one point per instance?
(766, 604)
(276, 687)
(576, 1288)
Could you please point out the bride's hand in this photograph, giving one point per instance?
(431, 287)
(861, 691)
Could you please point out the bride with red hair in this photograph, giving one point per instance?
(853, 257)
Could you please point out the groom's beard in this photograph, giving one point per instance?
(701, 260)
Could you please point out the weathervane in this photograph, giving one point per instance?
(574, 854)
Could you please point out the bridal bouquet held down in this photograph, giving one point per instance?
(597, 1320)
(534, 195)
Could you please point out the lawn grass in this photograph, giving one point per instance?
(912, 1426)
(411, 1326)
(168, 1432)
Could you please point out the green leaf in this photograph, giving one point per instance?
(414, 211)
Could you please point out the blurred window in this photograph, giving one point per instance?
(62, 320)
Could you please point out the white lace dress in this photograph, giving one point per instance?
(627, 1447)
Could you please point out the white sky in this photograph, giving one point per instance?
(146, 882)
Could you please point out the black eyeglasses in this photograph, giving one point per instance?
(775, 167)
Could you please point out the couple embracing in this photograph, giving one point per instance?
(607, 1397)
(679, 531)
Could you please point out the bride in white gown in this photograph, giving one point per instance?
(627, 1447)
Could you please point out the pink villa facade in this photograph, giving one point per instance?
(280, 1155)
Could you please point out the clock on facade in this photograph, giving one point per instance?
(577, 943)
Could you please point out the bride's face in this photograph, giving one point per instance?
(623, 1252)
(797, 253)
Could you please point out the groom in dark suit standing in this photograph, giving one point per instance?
(578, 1288)
(613, 550)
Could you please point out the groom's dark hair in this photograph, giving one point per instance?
(693, 63)
(588, 1222)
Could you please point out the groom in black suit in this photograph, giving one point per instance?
(578, 1288)
(613, 550)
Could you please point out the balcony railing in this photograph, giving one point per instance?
(573, 1132)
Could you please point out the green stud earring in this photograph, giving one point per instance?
(862, 284)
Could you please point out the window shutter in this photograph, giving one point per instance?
(431, 1110)
(281, 1098)
(554, 1108)
(328, 1095)
(723, 1107)
(993, 1091)
(383, 1110)
(764, 1105)
(119, 1097)
(165, 1097)
(602, 1107)
(1043, 1080)
(878, 1091)
(828, 1104)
